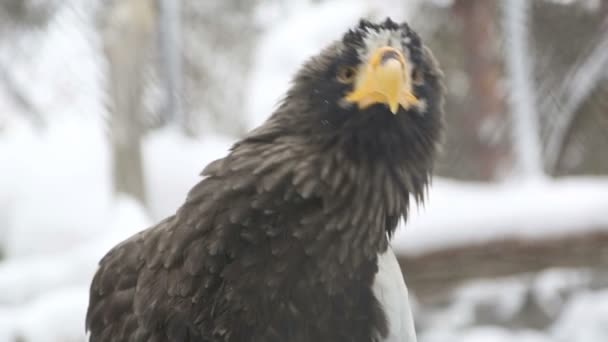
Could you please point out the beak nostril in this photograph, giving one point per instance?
(390, 55)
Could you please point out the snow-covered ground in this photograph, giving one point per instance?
(556, 305)
(58, 215)
(459, 213)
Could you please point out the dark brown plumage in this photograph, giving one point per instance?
(279, 241)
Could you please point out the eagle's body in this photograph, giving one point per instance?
(281, 241)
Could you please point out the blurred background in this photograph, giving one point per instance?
(110, 109)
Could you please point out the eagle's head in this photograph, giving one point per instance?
(360, 124)
(377, 92)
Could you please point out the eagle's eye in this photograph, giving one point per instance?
(417, 77)
(346, 74)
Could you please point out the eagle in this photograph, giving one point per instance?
(287, 238)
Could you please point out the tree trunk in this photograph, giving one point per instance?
(127, 36)
(486, 103)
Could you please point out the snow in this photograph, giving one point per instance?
(585, 318)
(68, 162)
(59, 312)
(43, 294)
(505, 298)
(550, 286)
(459, 213)
(476, 311)
(174, 162)
(485, 334)
(22, 279)
(63, 63)
(488, 334)
(58, 215)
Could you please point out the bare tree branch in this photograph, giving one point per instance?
(26, 14)
(13, 90)
(171, 60)
(526, 133)
(579, 81)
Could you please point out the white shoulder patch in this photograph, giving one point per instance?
(390, 290)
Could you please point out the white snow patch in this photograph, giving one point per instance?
(173, 163)
(54, 184)
(57, 316)
(485, 334)
(57, 185)
(56, 188)
(505, 297)
(459, 213)
(59, 218)
(585, 318)
(550, 287)
(23, 279)
(45, 298)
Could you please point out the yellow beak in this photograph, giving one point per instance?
(385, 78)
